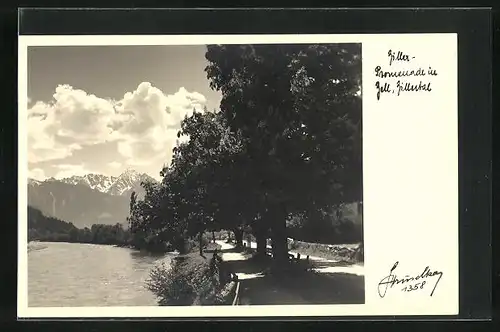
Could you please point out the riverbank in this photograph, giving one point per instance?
(32, 243)
(192, 279)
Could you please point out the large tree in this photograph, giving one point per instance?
(298, 112)
(203, 175)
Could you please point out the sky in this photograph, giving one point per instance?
(104, 109)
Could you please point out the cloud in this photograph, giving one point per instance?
(73, 119)
(114, 164)
(37, 174)
(68, 170)
(144, 124)
(147, 121)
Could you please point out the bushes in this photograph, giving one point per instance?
(187, 245)
(219, 235)
(189, 280)
(341, 232)
(226, 294)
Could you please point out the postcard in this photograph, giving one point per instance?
(238, 175)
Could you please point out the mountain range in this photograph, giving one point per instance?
(88, 199)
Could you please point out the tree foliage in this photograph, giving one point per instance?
(298, 111)
(286, 140)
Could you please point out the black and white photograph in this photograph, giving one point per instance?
(194, 175)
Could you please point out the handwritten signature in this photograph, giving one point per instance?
(409, 283)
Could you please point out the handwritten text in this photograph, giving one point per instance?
(408, 283)
(406, 80)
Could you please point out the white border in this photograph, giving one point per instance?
(374, 51)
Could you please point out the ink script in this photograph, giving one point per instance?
(402, 74)
(427, 279)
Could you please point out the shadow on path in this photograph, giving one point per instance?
(259, 287)
(297, 285)
(231, 250)
(265, 291)
(308, 288)
(327, 288)
(248, 266)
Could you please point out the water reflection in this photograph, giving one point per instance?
(145, 261)
(141, 255)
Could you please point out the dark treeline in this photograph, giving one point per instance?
(43, 228)
(285, 143)
(326, 228)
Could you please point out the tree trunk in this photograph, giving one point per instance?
(213, 236)
(261, 238)
(280, 245)
(238, 237)
(200, 243)
(279, 238)
(262, 245)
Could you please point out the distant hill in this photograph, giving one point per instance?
(40, 223)
(86, 200)
(44, 228)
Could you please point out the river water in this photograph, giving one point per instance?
(87, 275)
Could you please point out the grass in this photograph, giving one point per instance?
(341, 253)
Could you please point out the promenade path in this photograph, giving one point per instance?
(333, 284)
(255, 288)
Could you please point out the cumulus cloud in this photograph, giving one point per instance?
(148, 120)
(73, 119)
(144, 124)
(68, 170)
(37, 174)
(115, 164)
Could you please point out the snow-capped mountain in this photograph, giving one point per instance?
(89, 199)
(122, 185)
(127, 182)
(95, 181)
(33, 182)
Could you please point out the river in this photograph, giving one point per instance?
(87, 275)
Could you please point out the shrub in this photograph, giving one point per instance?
(341, 232)
(189, 280)
(219, 235)
(225, 295)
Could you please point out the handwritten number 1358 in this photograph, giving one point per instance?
(417, 286)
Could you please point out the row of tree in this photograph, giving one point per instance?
(285, 142)
(44, 228)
